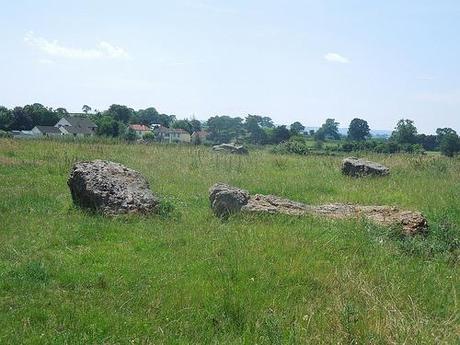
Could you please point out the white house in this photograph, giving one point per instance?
(140, 130)
(172, 135)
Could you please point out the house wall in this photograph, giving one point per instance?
(36, 131)
(62, 122)
(185, 137)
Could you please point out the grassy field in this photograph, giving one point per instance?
(70, 277)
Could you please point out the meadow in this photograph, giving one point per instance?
(185, 277)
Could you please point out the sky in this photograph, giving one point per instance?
(291, 60)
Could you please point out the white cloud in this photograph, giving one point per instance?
(103, 50)
(334, 57)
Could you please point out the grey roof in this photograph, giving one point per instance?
(78, 130)
(49, 130)
(80, 121)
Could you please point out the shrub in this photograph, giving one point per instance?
(4, 134)
(149, 137)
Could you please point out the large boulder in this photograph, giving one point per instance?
(110, 188)
(230, 148)
(226, 200)
(355, 167)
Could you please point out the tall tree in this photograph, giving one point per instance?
(224, 129)
(196, 125)
(120, 112)
(329, 130)
(450, 144)
(86, 109)
(358, 130)
(149, 116)
(441, 132)
(21, 120)
(41, 115)
(297, 128)
(6, 118)
(405, 132)
(256, 134)
(266, 122)
(279, 134)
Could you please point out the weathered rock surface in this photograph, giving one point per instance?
(411, 222)
(226, 199)
(110, 188)
(355, 167)
(241, 150)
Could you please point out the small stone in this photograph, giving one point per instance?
(230, 148)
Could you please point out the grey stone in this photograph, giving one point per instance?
(411, 222)
(356, 167)
(230, 148)
(110, 188)
(226, 200)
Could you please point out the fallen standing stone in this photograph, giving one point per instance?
(110, 188)
(359, 167)
(220, 194)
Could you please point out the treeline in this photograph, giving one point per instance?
(404, 138)
(252, 129)
(29, 116)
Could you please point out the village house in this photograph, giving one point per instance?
(140, 130)
(77, 126)
(199, 136)
(171, 135)
(47, 131)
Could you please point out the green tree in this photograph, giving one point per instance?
(130, 134)
(297, 128)
(428, 142)
(86, 109)
(196, 125)
(256, 134)
(61, 112)
(358, 130)
(441, 132)
(224, 129)
(279, 134)
(329, 130)
(6, 118)
(107, 126)
(183, 124)
(266, 122)
(21, 120)
(40, 115)
(405, 132)
(450, 144)
(120, 113)
(149, 116)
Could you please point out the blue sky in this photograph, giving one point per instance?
(290, 60)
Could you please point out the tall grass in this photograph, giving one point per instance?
(68, 276)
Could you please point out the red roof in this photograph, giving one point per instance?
(140, 128)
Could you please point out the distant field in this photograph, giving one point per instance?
(69, 277)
